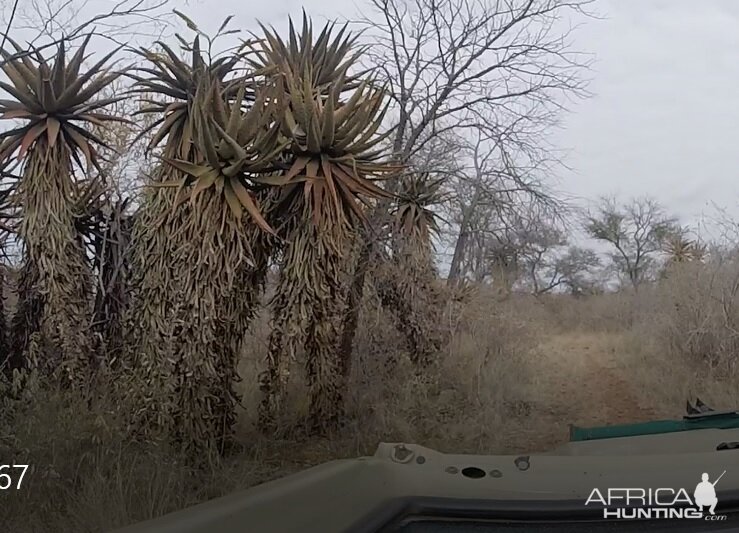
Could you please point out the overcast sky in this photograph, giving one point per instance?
(662, 119)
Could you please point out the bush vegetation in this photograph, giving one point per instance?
(272, 299)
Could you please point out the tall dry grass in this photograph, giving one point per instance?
(685, 334)
(87, 476)
(676, 339)
(671, 340)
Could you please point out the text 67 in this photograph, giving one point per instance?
(11, 476)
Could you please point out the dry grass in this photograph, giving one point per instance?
(88, 478)
(85, 476)
(510, 379)
(685, 335)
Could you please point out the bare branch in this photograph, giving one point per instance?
(456, 59)
(47, 22)
(499, 207)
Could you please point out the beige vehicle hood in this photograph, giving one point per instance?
(365, 493)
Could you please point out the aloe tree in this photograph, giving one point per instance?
(680, 249)
(330, 164)
(193, 241)
(55, 100)
(408, 284)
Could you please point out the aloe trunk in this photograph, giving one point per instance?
(307, 310)
(56, 277)
(192, 307)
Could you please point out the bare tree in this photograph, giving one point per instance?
(456, 64)
(498, 204)
(539, 257)
(575, 270)
(720, 228)
(637, 231)
(448, 63)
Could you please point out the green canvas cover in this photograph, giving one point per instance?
(713, 420)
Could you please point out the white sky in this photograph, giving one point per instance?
(663, 119)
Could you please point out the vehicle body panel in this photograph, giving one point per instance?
(365, 493)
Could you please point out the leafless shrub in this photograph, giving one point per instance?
(609, 312)
(696, 312)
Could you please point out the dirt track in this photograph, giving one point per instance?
(578, 381)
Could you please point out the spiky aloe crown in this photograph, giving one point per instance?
(55, 100)
(412, 214)
(333, 153)
(235, 146)
(680, 248)
(218, 128)
(169, 86)
(324, 60)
